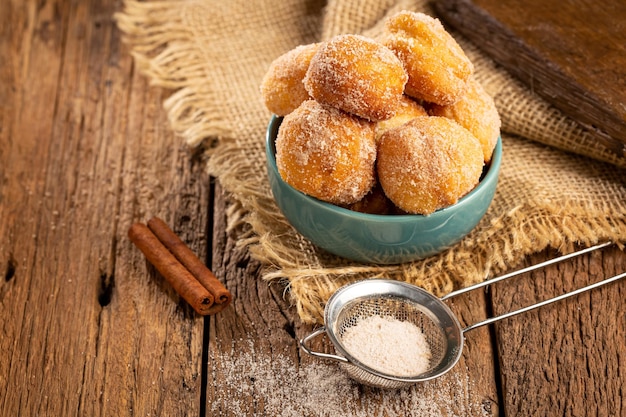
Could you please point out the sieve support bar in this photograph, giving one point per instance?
(545, 302)
(304, 344)
(524, 270)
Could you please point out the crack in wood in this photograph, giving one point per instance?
(10, 271)
(105, 291)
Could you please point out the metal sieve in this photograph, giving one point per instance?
(406, 302)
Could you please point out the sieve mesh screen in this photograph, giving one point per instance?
(401, 309)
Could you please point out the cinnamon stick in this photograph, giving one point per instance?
(173, 271)
(190, 261)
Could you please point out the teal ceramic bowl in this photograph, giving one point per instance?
(380, 239)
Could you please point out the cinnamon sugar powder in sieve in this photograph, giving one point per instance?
(388, 345)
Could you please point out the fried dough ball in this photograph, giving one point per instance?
(374, 202)
(282, 87)
(357, 75)
(438, 68)
(408, 110)
(428, 164)
(475, 111)
(326, 153)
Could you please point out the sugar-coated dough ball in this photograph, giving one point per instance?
(428, 164)
(408, 110)
(476, 112)
(326, 153)
(282, 87)
(357, 75)
(437, 67)
(374, 202)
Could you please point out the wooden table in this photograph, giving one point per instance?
(89, 329)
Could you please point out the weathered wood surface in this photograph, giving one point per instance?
(565, 359)
(570, 52)
(88, 328)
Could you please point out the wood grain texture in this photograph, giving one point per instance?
(572, 53)
(568, 358)
(87, 328)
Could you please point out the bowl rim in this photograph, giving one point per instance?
(489, 175)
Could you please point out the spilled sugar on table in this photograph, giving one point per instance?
(89, 328)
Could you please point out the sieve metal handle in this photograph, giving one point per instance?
(524, 270)
(304, 345)
(545, 302)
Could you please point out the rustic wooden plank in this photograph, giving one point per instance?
(568, 358)
(257, 368)
(245, 337)
(23, 196)
(572, 53)
(86, 327)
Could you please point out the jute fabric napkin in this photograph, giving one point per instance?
(558, 187)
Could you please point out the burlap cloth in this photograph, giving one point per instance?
(213, 55)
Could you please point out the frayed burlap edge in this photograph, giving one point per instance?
(162, 52)
(486, 252)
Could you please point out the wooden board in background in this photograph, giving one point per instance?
(571, 52)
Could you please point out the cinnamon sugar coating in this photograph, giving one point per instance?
(326, 153)
(374, 202)
(357, 75)
(428, 164)
(407, 110)
(475, 111)
(437, 67)
(282, 87)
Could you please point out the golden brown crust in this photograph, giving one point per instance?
(407, 110)
(357, 75)
(326, 153)
(282, 87)
(428, 164)
(475, 111)
(374, 202)
(437, 67)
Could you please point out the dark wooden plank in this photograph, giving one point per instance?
(572, 53)
(257, 368)
(86, 327)
(564, 359)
